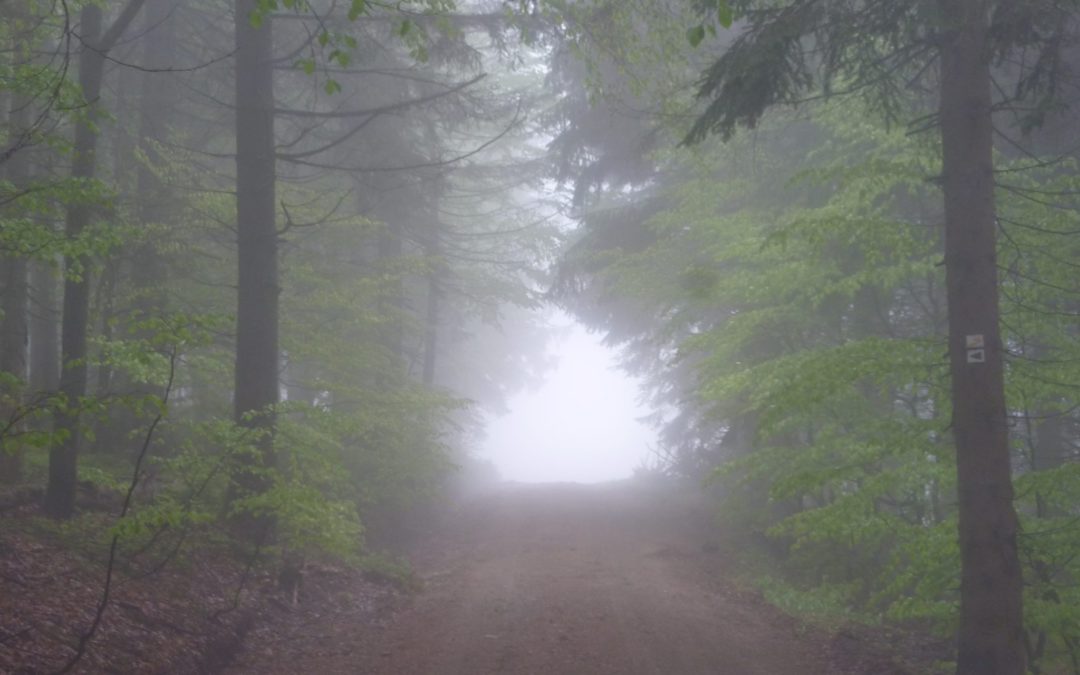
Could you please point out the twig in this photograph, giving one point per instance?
(263, 535)
(166, 559)
(103, 603)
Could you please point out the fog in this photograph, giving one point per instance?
(277, 302)
(582, 424)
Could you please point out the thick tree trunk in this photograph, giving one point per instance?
(990, 634)
(13, 330)
(105, 310)
(13, 357)
(63, 456)
(257, 357)
(44, 345)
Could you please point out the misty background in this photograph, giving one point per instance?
(582, 423)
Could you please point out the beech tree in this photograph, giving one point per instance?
(14, 328)
(63, 456)
(153, 251)
(257, 352)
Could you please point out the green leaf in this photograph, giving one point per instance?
(332, 87)
(695, 35)
(324, 39)
(262, 8)
(356, 9)
(724, 14)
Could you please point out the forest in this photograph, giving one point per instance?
(269, 267)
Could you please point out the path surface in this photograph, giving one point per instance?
(575, 579)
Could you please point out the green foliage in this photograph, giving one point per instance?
(358, 437)
(695, 35)
(388, 569)
(824, 604)
(29, 209)
(102, 478)
(849, 431)
(791, 294)
(725, 16)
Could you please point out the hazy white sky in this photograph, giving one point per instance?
(581, 425)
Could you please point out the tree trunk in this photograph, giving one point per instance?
(257, 358)
(13, 358)
(63, 455)
(44, 348)
(990, 633)
(105, 308)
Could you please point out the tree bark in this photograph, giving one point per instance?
(990, 632)
(13, 358)
(63, 455)
(44, 347)
(257, 356)
(157, 101)
(13, 330)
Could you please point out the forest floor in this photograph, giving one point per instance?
(167, 613)
(573, 579)
(551, 579)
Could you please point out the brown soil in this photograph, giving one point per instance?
(570, 579)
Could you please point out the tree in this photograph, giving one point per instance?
(991, 630)
(873, 47)
(14, 328)
(257, 356)
(63, 456)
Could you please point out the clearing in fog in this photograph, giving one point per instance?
(580, 425)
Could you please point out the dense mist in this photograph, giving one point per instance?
(539, 336)
(545, 437)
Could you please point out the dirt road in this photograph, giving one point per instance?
(575, 579)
